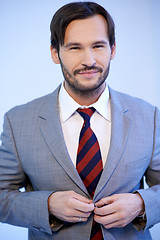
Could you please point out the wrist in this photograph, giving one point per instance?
(141, 205)
(50, 203)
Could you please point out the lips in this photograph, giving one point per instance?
(88, 71)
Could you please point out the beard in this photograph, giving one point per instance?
(80, 88)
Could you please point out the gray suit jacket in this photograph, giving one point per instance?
(33, 155)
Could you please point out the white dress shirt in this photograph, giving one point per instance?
(72, 122)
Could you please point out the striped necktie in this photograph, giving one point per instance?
(89, 161)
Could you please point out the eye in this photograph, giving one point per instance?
(98, 46)
(74, 48)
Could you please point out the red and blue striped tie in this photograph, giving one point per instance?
(89, 162)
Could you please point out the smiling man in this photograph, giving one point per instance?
(85, 60)
(82, 151)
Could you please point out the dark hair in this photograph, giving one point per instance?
(75, 11)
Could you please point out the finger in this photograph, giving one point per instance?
(83, 207)
(105, 201)
(77, 213)
(109, 221)
(82, 198)
(82, 203)
(112, 220)
(105, 210)
(77, 219)
(117, 224)
(113, 225)
(82, 219)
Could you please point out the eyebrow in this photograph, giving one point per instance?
(101, 42)
(71, 44)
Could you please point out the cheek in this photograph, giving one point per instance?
(104, 62)
(69, 61)
(103, 58)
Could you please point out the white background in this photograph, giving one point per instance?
(27, 71)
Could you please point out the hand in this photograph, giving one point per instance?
(118, 210)
(69, 206)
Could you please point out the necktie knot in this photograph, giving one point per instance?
(86, 113)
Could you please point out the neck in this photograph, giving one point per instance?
(85, 98)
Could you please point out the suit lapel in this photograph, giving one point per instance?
(120, 127)
(51, 130)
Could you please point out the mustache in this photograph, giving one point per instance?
(77, 71)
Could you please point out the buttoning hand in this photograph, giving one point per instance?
(69, 206)
(118, 210)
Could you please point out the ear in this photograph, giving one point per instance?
(54, 55)
(113, 51)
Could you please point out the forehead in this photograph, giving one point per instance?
(90, 29)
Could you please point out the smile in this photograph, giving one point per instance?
(89, 74)
(88, 71)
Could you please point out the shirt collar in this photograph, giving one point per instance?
(68, 105)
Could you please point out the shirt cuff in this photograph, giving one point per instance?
(55, 223)
(140, 222)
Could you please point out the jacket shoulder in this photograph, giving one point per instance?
(32, 108)
(125, 101)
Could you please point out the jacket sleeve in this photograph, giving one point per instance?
(26, 209)
(151, 195)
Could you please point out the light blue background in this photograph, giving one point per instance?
(27, 71)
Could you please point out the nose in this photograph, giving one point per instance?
(88, 58)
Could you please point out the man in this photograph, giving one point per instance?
(41, 149)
